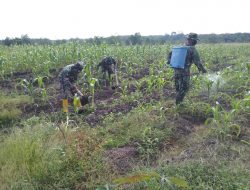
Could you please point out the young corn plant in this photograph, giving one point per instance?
(216, 115)
(160, 82)
(123, 90)
(151, 83)
(92, 83)
(76, 103)
(218, 83)
(87, 76)
(27, 87)
(209, 84)
(138, 85)
(41, 85)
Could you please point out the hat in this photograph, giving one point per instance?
(192, 36)
(79, 65)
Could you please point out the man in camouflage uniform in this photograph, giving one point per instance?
(182, 76)
(108, 66)
(67, 78)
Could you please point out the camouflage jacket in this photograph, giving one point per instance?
(106, 64)
(192, 57)
(67, 77)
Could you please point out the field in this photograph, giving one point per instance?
(131, 137)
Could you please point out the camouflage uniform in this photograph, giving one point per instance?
(108, 65)
(182, 76)
(67, 78)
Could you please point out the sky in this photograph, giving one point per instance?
(65, 19)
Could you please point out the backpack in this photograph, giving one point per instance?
(178, 57)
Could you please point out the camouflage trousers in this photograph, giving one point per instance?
(105, 79)
(181, 86)
(65, 92)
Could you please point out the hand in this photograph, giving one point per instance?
(73, 89)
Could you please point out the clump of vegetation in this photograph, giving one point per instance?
(195, 111)
(145, 130)
(209, 176)
(40, 159)
(11, 108)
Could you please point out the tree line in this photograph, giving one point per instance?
(134, 39)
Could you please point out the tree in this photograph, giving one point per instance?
(7, 41)
(25, 39)
(135, 39)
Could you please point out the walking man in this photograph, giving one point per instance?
(181, 59)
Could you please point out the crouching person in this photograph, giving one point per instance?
(67, 78)
(108, 67)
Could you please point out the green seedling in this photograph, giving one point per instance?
(209, 84)
(92, 83)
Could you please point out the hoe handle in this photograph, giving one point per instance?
(79, 92)
(116, 78)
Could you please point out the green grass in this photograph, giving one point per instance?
(36, 157)
(215, 176)
(136, 126)
(11, 108)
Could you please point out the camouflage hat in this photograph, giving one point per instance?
(79, 65)
(192, 36)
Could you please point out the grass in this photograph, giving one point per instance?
(11, 108)
(202, 175)
(138, 125)
(38, 158)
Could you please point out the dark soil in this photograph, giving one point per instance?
(97, 116)
(20, 74)
(106, 93)
(36, 109)
(5, 83)
(140, 73)
(122, 159)
(108, 96)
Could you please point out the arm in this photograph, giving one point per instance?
(169, 57)
(197, 61)
(74, 90)
(69, 85)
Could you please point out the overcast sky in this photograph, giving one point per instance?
(64, 19)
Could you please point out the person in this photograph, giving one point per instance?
(182, 70)
(108, 67)
(67, 77)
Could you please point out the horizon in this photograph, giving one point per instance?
(119, 36)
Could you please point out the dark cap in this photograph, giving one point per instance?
(79, 65)
(192, 36)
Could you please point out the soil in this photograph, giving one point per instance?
(22, 74)
(138, 74)
(141, 73)
(97, 116)
(122, 159)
